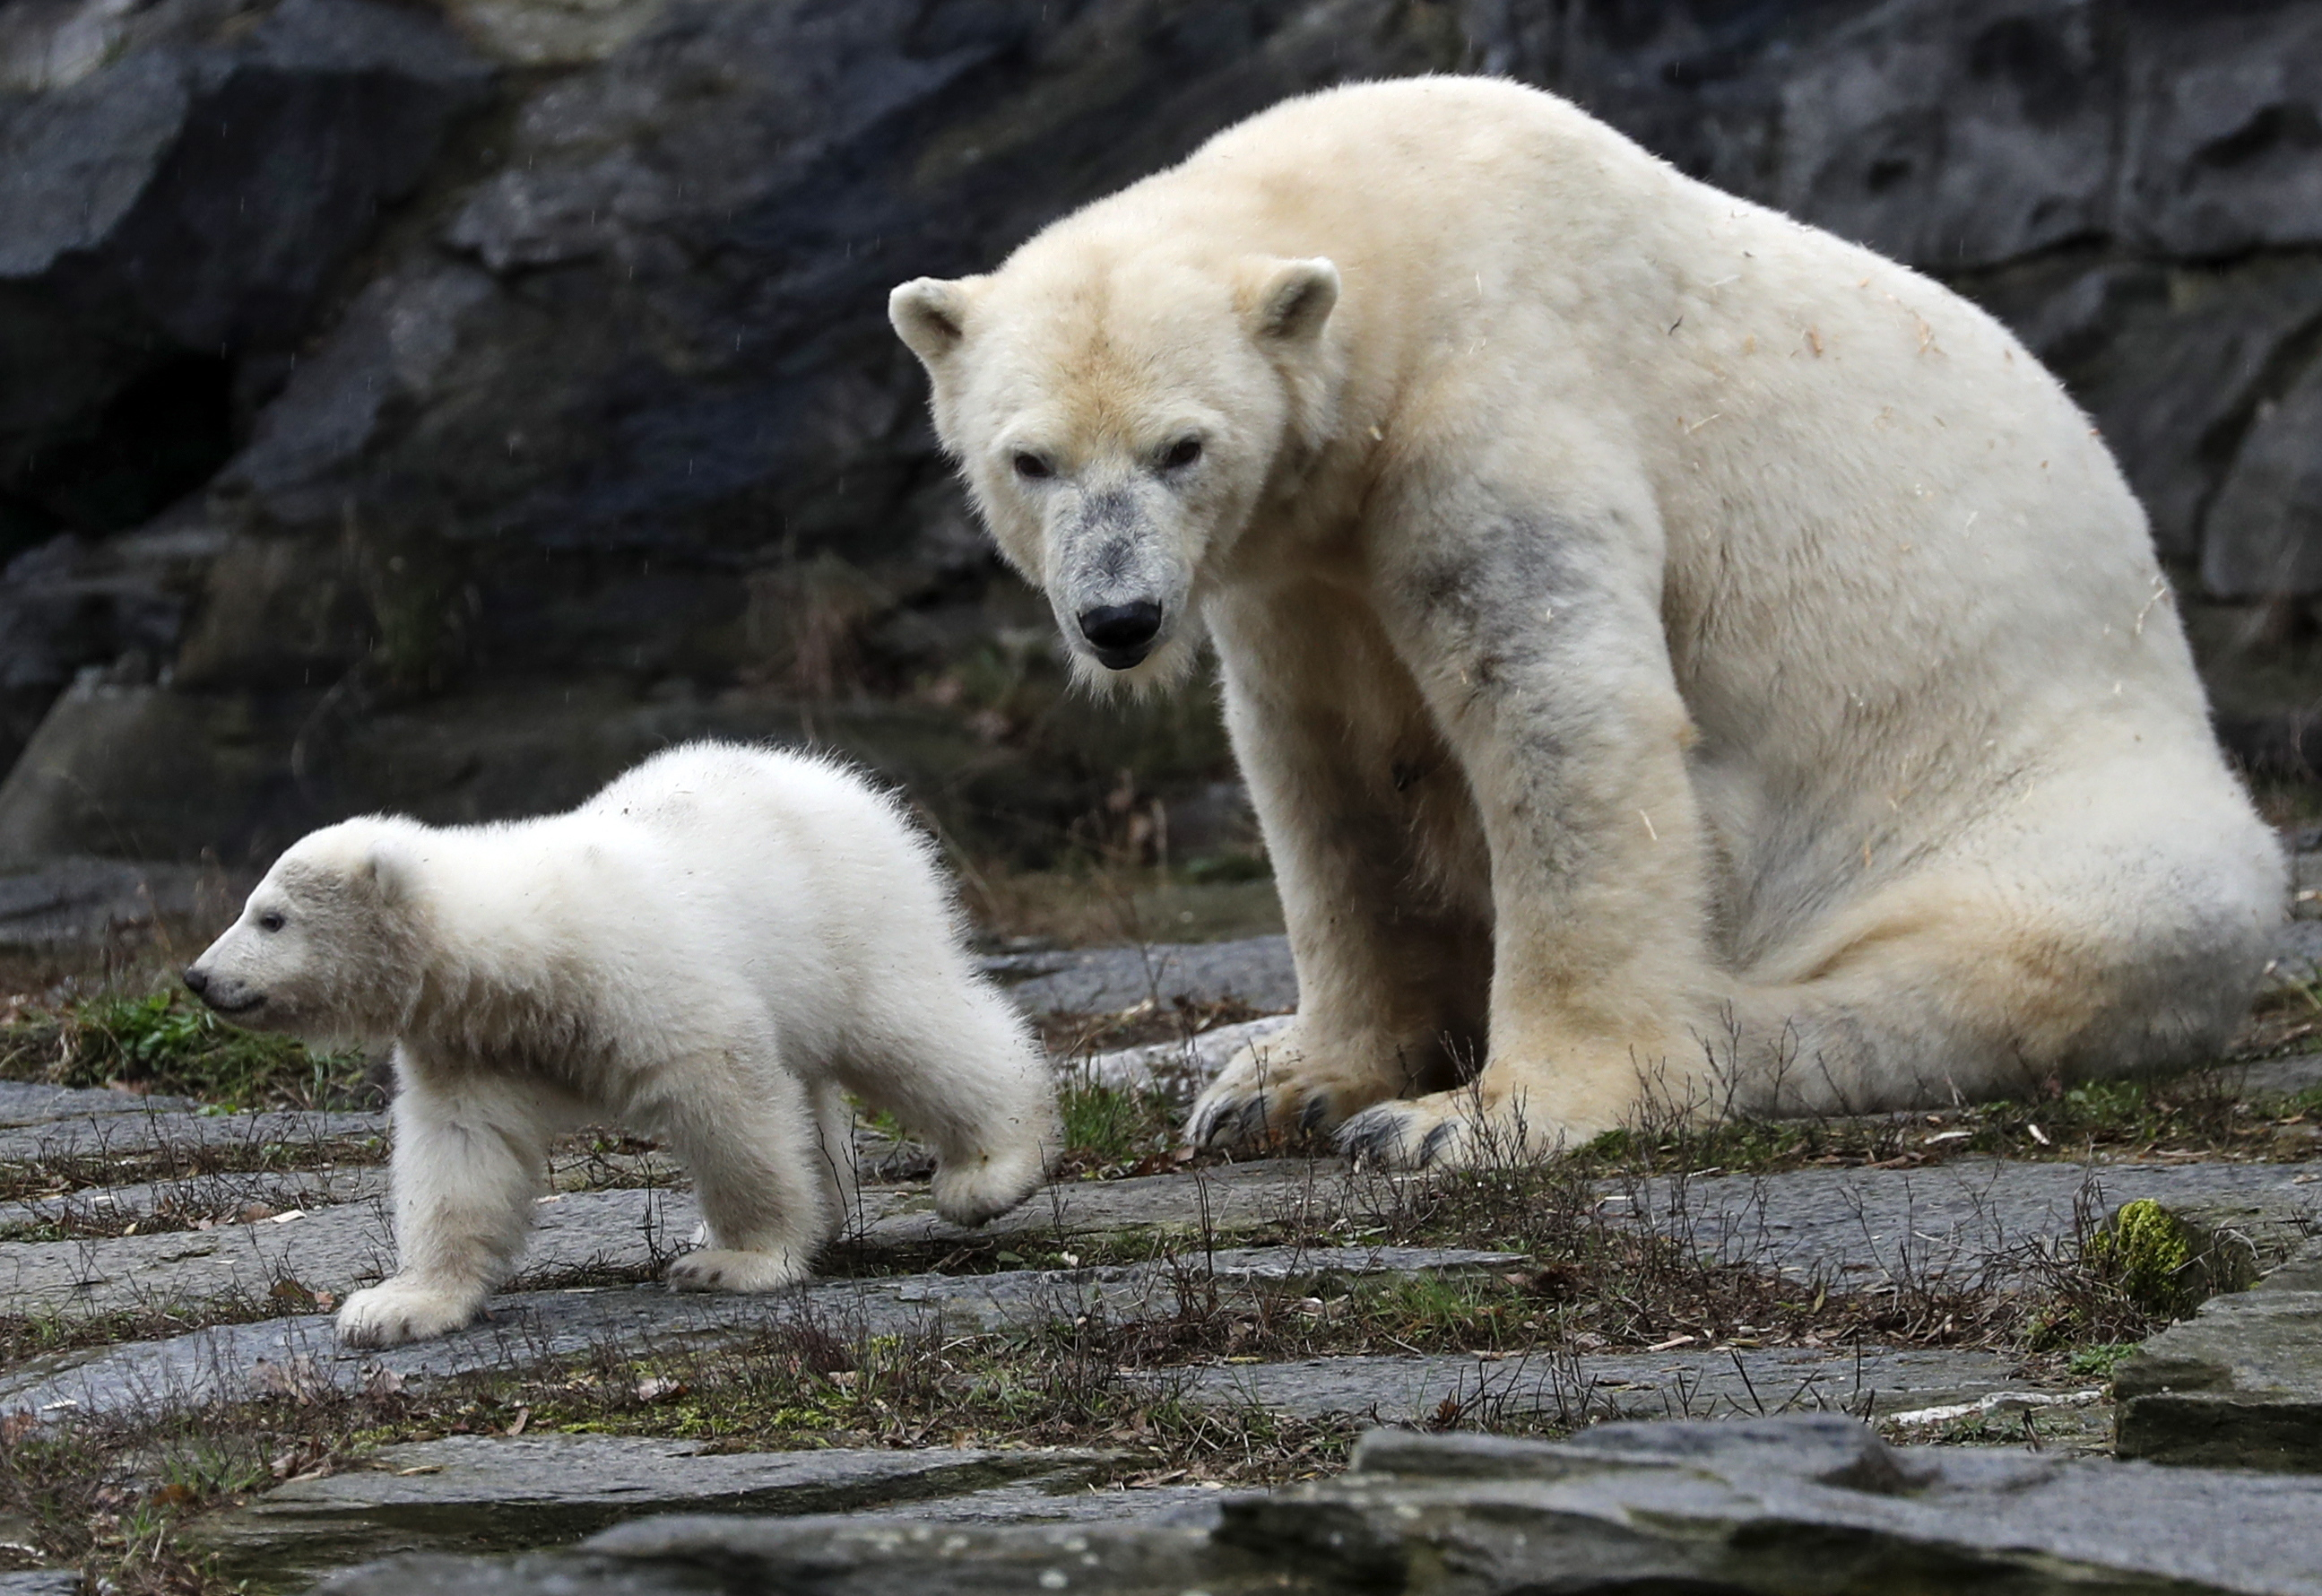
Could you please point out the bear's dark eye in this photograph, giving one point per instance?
(1182, 453)
(272, 920)
(1032, 468)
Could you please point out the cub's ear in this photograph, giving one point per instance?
(1289, 300)
(390, 869)
(930, 315)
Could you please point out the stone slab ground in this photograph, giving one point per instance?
(161, 1261)
(1779, 1506)
(473, 1493)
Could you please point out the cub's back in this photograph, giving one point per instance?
(792, 836)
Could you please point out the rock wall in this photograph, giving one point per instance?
(437, 404)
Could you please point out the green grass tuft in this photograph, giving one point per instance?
(165, 1042)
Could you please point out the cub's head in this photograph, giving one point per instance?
(1119, 411)
(327, 945)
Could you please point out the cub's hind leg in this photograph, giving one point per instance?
(949, 1057)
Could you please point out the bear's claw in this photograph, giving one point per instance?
(1451, 1129)
(1382, 1136)
(1375, 1136)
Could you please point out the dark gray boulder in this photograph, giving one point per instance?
(592, 390)
(174, 218)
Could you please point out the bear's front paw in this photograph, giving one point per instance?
(727, 1268)
(1278, 1088)
(1451, 1130)
(402, 1309)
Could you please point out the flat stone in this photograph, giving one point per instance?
(1257, 970)
(31, 1103)
(1854, 1227)
(1040, 1502)
(627, 1232)
(523, 1328)
(1125, 1293)
(162, 1206)
(488, 1493)
(1744, 1383)
(1940, 1221)
(691, 1556)
(1798, 1503)
(2275, 1077)
(40, 1581)
(150, 1129)
(1176, 1068)
(2239, 1384)
(1231, 1197)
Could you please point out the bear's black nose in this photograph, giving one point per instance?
(1122, 634)
(197, 979)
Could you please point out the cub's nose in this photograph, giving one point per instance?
(1122, 634)
(197, 979)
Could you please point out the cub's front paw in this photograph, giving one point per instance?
(1280, 1088)
(402, 1309)
(727, 1268)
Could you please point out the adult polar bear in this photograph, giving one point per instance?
(1665, 643)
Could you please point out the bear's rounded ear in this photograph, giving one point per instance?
(930, 315)
(1292, 299)
(390, 869)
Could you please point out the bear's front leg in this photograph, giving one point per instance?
(1536, 633)
(471, 1154)
(1377, 856)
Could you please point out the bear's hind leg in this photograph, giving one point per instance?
(949, 1057)
(752, 1139)
(471, 1154)
(2081, 943)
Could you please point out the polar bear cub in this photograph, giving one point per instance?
(710, 951)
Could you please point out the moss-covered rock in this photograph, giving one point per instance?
(2168, 1263)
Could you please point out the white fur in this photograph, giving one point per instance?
(1669, 646)
(708, 951)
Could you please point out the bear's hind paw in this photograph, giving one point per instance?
(969, 1193)
(727, 1268)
